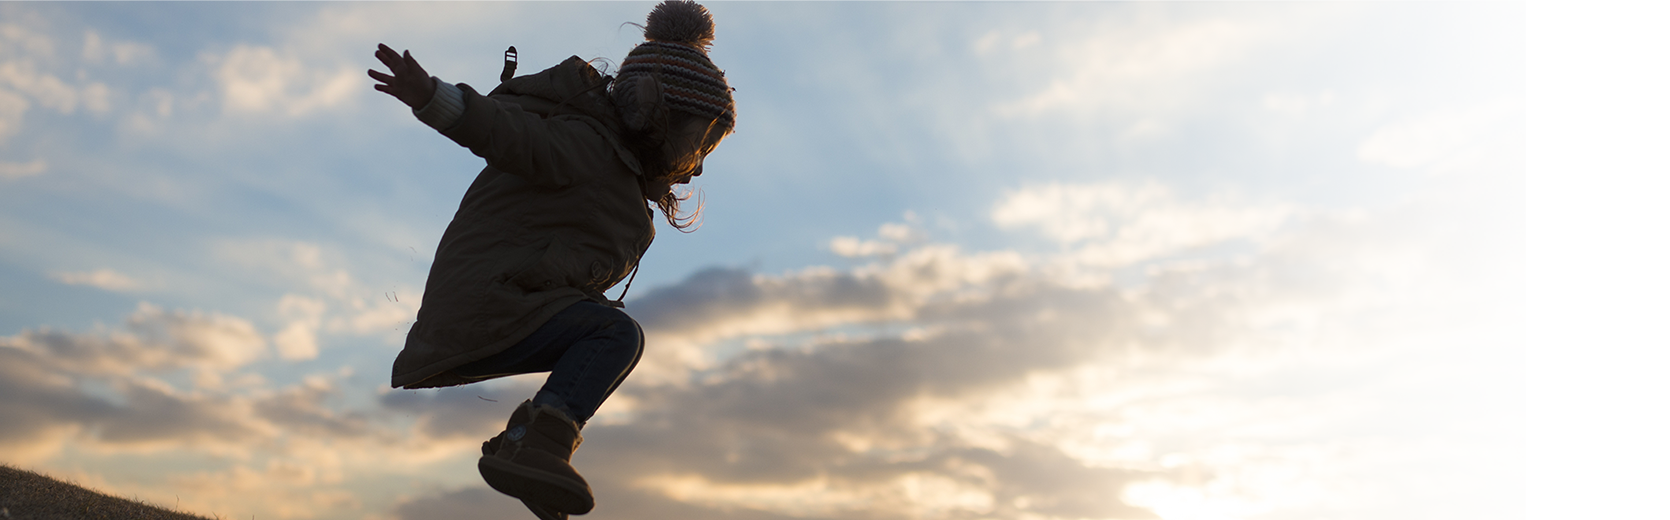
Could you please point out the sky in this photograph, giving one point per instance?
(1031, 261)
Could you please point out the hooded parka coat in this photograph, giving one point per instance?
(556, 217)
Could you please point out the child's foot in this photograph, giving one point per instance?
(517, 418)
(491, 447)
(529, 461)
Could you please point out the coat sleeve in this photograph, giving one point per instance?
(546, 151)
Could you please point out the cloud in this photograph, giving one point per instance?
(931, 383)
(330, 300)
(470, 502)
(45, 404)
(262, 80)
(1296, 104)
(1178, 354)
(1420, 139)
(1118, 223)
(106, 279)
(30, 42)
(120, 391)
(1132, 68)
(855, 247)
(150, 339)
(95, 50)
(45, 89)
(27, 79)
(1503, 423)
(10, 170)
(1468, 223)
(301, 410)
(890, 237)
(12, 109)
(105, 383)
(286, 489)
(470, 414)
(299, 340)
(993, 39)
(1027, 392)
(1375, 477)
(48, 90)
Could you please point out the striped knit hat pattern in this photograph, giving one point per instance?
(678, 34)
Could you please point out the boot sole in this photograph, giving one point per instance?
(535, 487)
(543, 513)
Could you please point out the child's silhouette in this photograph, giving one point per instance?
(558, 216)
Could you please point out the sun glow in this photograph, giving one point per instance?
(1173, 502)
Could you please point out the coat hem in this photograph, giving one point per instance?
(415, 379)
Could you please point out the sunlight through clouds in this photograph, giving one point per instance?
(1462, 140)
(299, 340)
(1198, 378)
(952, 424)
(1116, 224)
(1299, 104)
(1031, 261)
(918, 495)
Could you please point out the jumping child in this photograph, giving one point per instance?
(559, 215)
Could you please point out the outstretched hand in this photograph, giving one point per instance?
(410, 84)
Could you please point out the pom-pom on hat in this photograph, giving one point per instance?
(679, 33)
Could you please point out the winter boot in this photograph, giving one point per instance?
(517, 418)
(491, 448)
(529, 461)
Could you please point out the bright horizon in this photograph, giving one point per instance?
(1028, 261)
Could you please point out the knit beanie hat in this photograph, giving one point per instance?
(678, 34)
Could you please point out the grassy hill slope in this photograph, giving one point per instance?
(26, 495)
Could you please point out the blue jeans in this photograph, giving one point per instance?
(588, 348)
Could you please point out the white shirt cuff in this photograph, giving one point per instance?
(444, 109)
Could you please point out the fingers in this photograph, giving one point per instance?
(406, 80)
(390, 59)
(400, 64)
(413, 67)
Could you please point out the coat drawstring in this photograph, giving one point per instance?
(620, 303)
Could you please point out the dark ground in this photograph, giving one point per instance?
(26, 495)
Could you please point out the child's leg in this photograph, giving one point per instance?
(592, 368)
(588, 349)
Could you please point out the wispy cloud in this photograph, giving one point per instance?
(1296, 104)
(259, 80)
(25, 75)
(9, 170)
(1465, 226)
(106, 279)
(1119, 223)
(1136, 67)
